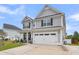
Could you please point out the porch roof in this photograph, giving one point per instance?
(43, 29)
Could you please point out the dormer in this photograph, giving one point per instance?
(27, 22)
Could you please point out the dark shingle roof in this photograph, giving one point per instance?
(8, 26)
(51, 15)
(27, 19)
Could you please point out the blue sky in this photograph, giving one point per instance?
(14, 14)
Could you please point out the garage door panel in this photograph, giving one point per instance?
(45, 37)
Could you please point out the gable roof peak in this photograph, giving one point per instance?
(46, 5)
(9, 26)
(47, 10)
(26, 18)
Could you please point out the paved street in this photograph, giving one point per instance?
(32, 49)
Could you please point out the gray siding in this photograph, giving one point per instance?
(56, 21)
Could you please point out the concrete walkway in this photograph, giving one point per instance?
(31, 49)
(73, 50)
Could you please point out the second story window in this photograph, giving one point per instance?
(44, 22)
(29, 25)
(51, 21)
(47, 22)
(41, 22)
(23, 25)
(26, 25)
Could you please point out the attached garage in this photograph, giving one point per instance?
(45, 37)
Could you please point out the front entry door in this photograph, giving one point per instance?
(24, 35)
(29, 38)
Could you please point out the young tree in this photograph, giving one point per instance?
(75, 37)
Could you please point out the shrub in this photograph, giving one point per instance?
(6, 39)
(16, 40)
(22, 40)
(69, 37)
(13, 41)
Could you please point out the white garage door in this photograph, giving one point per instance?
(45, 38)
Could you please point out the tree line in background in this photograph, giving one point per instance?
(74, 37)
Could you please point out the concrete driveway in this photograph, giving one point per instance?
(32, 49)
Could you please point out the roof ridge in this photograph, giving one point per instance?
(10, 26)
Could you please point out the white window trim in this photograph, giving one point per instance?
(46, 23)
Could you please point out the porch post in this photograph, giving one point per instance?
(27, 37)
(61, 37)
(32, 37)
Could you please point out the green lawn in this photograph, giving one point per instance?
(9, 44)
(73, 44)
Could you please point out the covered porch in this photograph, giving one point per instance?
(27, 37)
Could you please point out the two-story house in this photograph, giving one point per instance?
(47, 28)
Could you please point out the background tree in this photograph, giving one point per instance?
(68, 37)
(75, 38)
(2, 34)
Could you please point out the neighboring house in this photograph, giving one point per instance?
(67, 41)
(12, 32)
(47, 28)
(2, 34)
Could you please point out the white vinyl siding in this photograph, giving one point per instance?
(13, 34)
(56, 21)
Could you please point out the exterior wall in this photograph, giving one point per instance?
(61, 37)
(13, 34)
(56, 21)
(37, 24)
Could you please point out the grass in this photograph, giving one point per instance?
(73, 44)
(9, 44)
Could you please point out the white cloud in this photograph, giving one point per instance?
(4, 9)
(75, 17)
(69, 27)
(72, 23)
(21, 10)
(7, 10)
